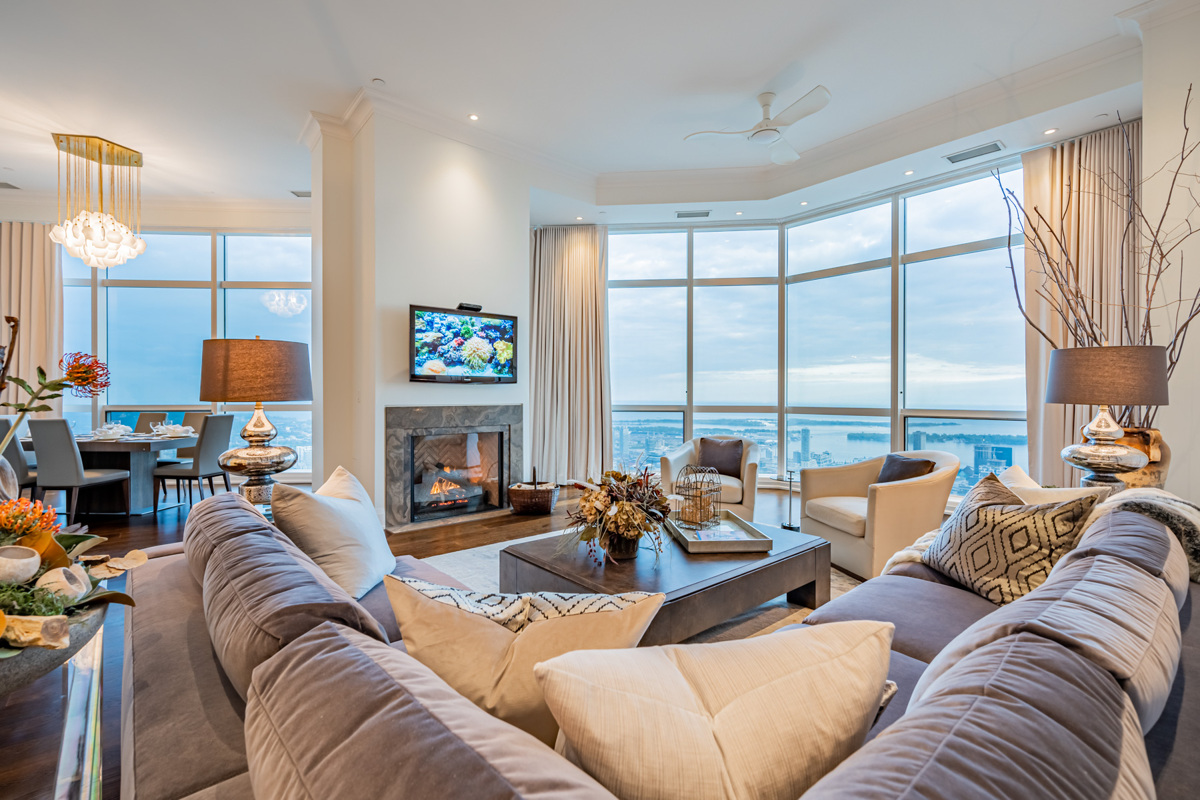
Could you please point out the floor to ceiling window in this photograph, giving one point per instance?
(148, 318)
(827, 340)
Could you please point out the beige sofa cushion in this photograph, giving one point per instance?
(1113, 614)
(760, 718)
(339, 715)
(485, 645)
(731, 489)
(337, 527)
(846, 514)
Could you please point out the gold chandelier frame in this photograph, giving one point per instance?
(120, 196)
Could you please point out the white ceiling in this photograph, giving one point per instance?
(215, 93)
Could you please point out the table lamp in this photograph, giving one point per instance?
(256, 371)
(1107, 376)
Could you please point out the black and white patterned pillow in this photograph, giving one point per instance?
(1000, 548)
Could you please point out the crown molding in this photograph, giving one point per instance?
(42, 206)
(1113, 63)
(319, 125)
(1137, 20)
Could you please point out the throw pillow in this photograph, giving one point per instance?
(1032, 492)
(485, 645)
(765, 717)
(723, 455)
(901, 468)
(337, 527)
(1000, 548)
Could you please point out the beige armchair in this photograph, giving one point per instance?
(737, 494)
(866, 522)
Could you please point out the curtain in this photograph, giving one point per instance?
(31, 290)
(1078, 187)
(571, 408)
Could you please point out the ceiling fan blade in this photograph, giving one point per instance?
(723, 133)
(783, 153)
(811, 103)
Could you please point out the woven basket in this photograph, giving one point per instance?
(533, 501)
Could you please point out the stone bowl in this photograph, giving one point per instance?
(17, 672)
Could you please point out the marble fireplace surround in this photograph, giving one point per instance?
(401, 423)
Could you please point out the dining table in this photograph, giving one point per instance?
(137, 453)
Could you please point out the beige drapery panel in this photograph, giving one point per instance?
(1077, 186)
(31, 290)
(571, 408)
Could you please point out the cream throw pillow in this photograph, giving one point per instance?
(1033, 493)
(765, 717)
(485, 645)
(337, 527)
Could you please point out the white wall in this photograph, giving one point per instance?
(1171, 61)
(436, 222)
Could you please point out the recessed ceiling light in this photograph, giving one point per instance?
(380, 82)
(579, 219)
(473, 117)
(738, 213)
(908, 172)
(1049, 131)
(803, 202)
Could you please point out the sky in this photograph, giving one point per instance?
(964, 336)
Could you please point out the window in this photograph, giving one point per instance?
(892, 337)
(155, 311)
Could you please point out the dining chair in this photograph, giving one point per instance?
(213, 439)
(60, 466)
(17, 459)
(148, 419)
(191, 419)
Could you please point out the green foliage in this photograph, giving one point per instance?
(29, 601)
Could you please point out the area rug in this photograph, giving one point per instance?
(479, 568)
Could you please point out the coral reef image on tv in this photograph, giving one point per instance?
(462, 346)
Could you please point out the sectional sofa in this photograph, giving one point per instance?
(1087, 688)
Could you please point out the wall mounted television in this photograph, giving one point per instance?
(453, 346)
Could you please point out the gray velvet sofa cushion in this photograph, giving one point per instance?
(1171, 743)
(924, 572)
(1021, 717)
(1143, 542)
(1112, 613)
(261, 593)
(215, 520)
(927, 615)
(181, 719)
(406, 735)
(233, 789)
(376, 601)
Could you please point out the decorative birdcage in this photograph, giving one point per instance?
(699, 489)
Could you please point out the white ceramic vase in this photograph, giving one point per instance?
(18, 564)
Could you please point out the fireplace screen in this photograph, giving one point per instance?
(456, 473)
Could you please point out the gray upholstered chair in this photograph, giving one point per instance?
(148, 419)
(60, 467)
(214, 433)
(17, 459)
(191, 419)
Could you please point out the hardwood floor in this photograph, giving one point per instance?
(31, 720)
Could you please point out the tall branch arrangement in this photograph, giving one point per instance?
(1149, 264)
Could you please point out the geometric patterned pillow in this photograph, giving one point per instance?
(1000, 548)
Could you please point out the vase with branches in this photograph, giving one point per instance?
(1156, 306)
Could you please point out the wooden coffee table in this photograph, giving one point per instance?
(701, 590)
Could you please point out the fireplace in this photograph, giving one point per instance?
(456, 473)
(446, 461)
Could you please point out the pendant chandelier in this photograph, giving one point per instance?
(99, 200)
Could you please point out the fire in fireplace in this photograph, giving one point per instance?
(455, 473)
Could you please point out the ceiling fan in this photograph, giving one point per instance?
(770, 130)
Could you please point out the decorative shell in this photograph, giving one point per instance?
(69, 582)
(18, 564)
(117, 566)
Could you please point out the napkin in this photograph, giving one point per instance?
(113, 430)
(178, 430)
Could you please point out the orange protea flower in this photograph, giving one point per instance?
(87, 374)
(21, 517)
